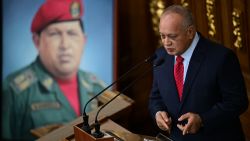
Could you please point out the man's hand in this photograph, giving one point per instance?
(163, 121)
(193, 124)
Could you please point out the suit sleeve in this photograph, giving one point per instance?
(155, 101)
(232, 89)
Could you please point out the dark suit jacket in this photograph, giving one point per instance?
(214, 88)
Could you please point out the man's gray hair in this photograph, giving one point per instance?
(184, 12)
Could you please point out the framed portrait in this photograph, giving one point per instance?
(19, 50)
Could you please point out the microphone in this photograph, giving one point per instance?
(86, 126)
(98, 133)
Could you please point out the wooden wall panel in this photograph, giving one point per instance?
(218, 21)
(226, 24)
(136, 41)
(242, 52)
(247, 72)
(201, 20)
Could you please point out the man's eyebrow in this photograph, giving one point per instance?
(168, 34)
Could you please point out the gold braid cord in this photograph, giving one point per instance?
(236, 28)
(156, 9)
(210, 16)
(184, 3)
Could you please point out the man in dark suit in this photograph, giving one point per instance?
(199, 96)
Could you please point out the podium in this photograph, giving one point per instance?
(115, 133)
(81, 135)
(117, 108)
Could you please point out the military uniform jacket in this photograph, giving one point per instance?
(32, 99)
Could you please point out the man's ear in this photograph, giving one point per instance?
(191, 32)
(36, 39)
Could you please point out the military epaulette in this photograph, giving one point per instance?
(95, 80)
(87, 85)
(89, 80)
(23, 81)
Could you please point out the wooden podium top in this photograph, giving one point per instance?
(112, 110)
(112, 131)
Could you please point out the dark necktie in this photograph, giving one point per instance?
(178, 75)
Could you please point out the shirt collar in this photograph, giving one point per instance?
(188, 53)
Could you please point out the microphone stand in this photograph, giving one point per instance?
(98, 133)
(86, 126)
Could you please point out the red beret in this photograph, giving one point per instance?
(55, 11)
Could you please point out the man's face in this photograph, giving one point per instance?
(60, 46)
(174, 36)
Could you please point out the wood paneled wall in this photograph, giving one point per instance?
(224, 21)
(136, 41)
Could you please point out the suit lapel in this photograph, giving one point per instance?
(193, 69)
(167, 80)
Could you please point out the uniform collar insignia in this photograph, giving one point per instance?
(48, 83)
